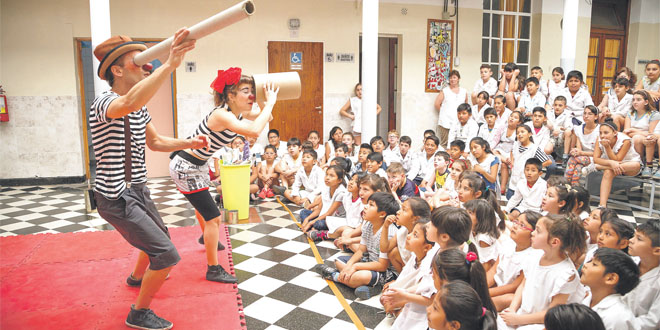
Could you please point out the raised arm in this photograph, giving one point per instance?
(221, 120)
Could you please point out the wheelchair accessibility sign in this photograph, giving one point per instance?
(295, 62)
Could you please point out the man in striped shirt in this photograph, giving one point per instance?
(127, 206)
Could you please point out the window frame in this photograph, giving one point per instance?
(500, 39)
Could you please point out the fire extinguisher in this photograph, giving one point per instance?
(4, 109)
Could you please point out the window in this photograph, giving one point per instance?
(506, 34)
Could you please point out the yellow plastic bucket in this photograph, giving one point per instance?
(235, 180)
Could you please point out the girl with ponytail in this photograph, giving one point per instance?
(457, 306)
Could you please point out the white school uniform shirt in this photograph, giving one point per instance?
(489, 253)
(529, 102)
(576, 104)
(511, 263)
(401, 234)
(619, 107)
(644, 300)
(381, 172)
(542, 137)
(543, 88)
(588, 141)
(390, 155)
(554, 89)
(526, 198)
(282, 150)
(328, 199)
(313, 183)
(643, 122)
(487, 134)
(410, 163)
(502, 142)
(464, 133)
(489, 86)
(427, 166)
(447, 116)
(519, 159)
(631, 156)
(320, 151)
(353, 214)
(478, 113)
(564, 120)
(615, 313)
(504, 118)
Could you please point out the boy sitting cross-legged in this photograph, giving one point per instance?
(369, 276)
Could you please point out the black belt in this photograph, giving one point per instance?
(188, 157)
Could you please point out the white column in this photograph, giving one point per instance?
(99, 18)
(369, 68)
(569, 35)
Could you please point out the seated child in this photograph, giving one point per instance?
(560, 125)
(330, 204)
(540, 132)
(450, 227)
(408, 159)
(309, 177)
(506, 274)
(436, 179)
(369, 276)
(341, 227)
(644, 300)
(572, 316)
(577, 98)
(639, 126)
(581, 155)
(412, 210)
(532, 99)
(266, 176)
(389, 154)
(503, 145)
(456, 151)
(466, 128)
(618, 105)
(555, 85)
(361, 164)
(614, 233)
(484, 231)
(522, 150)
(274, 140)
(478, 109)
(459, 305)
(315, 138)
(448, 195)
(582, 208)
(427, 161)
(488, 128)
(508, 84)
(551, 280)
(400, 184)
(537, 73)
(484, 163)
(529, 193)
(349, 139)
(340, 151)
(290, 163)
(611, 274)
(502, 111)
(374, 163)
(559, 199)
(377, 144)
(486, 83)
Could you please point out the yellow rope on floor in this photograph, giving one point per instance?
(356, 320)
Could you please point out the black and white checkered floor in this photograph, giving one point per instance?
(272, 258)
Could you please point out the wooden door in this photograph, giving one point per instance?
(606, 55)
(295, 118)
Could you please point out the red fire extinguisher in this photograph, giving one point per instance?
(4, 109)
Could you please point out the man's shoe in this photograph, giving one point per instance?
(146, 319)
(324, 270)
(201, 241)
(218, 274)
(365, 292)
(278, 190)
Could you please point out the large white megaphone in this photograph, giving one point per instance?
(212, 24)
(288, 82)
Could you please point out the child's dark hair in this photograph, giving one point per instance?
(454, 222)
(623, 228)
(367, 146)
(271, 147)
(527, 128)
(490, 111)
(572, 316)
(540, 110)
(554, 181)
(342, 146)
(510, 67)
(582, 197)
(344, 163)
(310, 152)
(568, 194)
(458, 143)
(484, 95)
(532, 217)
(620, 263)
(443, 154)
(464, 107)
(375, 182)
(482, 143)
(462, 304)
(561, 98)
(275, 131)
(485, 66)
(332, 133)
(239, 137)
(478, 184)
(569, 231)
(376, 157)
(650, 106)
(429, 132)
(313, 132)
(499, 97)
(453, 265)
(422, 225)
(455, 73)
(606, 213)
(536, 162)
(376, 138)
(559, 70)
(433, 138)
(536, 68)
(385, 202)
(651, 229)
(532, 80)
(575, 74)
(622, 82)
(486, 221)
(405, 139)
(307, 145)
(609, 122)
(294, 141)
(419, 207)
(341, 174)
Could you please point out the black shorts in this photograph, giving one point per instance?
(135, 217)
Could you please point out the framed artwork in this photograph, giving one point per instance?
(439, 44)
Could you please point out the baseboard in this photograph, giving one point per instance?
(38, 181)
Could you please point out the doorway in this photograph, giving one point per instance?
(387, 82)
(607, 44)
(295, 118)
(162, 110)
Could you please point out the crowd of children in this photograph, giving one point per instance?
(425, 227)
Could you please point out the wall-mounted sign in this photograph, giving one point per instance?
(296, 60)
(329, 57)
(346, 57)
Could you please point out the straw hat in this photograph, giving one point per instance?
(109, 50)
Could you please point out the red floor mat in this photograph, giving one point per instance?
(77, 281)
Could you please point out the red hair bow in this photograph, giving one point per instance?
(230, 76)
(471, 256)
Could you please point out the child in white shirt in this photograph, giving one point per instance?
(610, 274)
(466, 128)
(618, 105)
(488, 129)
(577, 98)
(479, 108)
(540, 132)
(556, 84)
(484, 231)
(537, 73)
(529, 192)
(412, 210)
(408, 160)
(486, 83)
(290, 163)
(532, 99)
(309, 176)
(561, 125)
(644, 300)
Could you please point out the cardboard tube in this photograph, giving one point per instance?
(212, 24)
(289, 83)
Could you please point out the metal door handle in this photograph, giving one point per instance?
(318, 108)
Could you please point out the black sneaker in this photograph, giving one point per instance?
(201, 241)
(365, 292)
(218, 274)
(146, 319)
(132, 281)
(278, 190)
(324, 270)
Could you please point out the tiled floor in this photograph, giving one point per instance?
(272, 258)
